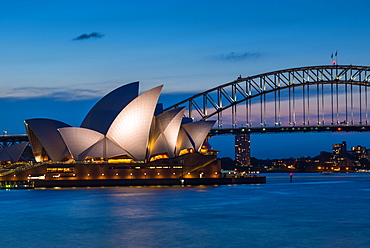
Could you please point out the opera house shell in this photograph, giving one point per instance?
(122, 126)
(126, 139)
(12, 153)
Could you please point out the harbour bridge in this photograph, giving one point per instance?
(329, 98)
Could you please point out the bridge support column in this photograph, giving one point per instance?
(242, 149)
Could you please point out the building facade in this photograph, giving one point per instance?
(242, 149)
(124, 136)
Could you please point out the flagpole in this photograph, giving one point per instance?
(331, 58)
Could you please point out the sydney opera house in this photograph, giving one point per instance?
(124, 136)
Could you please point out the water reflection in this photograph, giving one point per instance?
(314, 210)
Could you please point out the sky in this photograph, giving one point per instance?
(58, 58)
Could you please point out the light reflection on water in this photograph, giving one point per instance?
(312, 211)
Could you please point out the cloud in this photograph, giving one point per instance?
(61, 94)
(233, 56)
(94, 35)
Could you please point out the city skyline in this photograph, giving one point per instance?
(59, 58)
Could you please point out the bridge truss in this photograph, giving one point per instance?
(8, 140)
(308, 96)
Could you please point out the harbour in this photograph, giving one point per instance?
(192, 124)
(314, 210)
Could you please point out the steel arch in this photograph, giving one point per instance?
(216, 100)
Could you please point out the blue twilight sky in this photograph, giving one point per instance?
(57, 58)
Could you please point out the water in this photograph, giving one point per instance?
(313, 211)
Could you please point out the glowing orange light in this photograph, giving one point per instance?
(339, 129)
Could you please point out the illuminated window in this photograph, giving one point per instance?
(159, 156)
(119, 161)
(59, 170)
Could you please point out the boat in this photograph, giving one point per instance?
(326, 172)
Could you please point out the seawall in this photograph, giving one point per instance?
(147, 182)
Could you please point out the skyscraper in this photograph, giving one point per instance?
(242, 149)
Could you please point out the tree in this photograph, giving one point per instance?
(227, 163)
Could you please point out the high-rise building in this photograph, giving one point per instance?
(359, 151)
(242, 149)
(340, 150)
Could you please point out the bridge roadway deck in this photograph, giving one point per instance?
(291, 129)
(7, 140)
(221, 131)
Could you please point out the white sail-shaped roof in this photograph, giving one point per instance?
(160, 145)
(120, 124)
(106, 110)
(131, 128)
(79, 140)
(12, 153)
(98, 149)
(106, 149)
(193, 134)
(15, 151)
(165, 133)
(43, 134)
(4, 156)
(184, 141)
